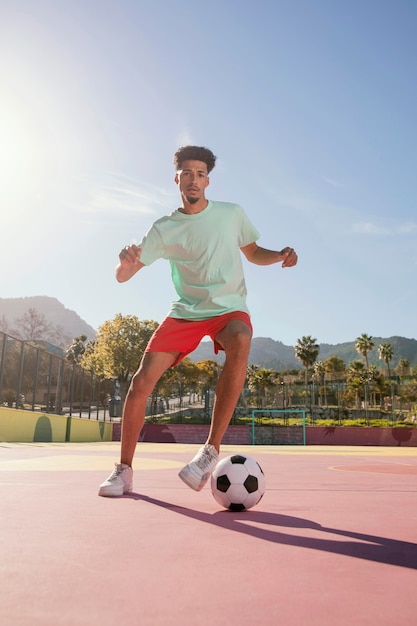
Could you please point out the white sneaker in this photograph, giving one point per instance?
(197, 472)
(119, 482)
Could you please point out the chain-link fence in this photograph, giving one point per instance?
(38, 378)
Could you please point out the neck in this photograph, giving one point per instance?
(191, 209)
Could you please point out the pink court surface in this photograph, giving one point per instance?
(333, 541)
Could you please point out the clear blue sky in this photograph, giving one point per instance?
(310, 106)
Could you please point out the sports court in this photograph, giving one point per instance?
(333, 541)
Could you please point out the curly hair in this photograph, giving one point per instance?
(194, 153)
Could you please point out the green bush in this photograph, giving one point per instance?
(202, 418)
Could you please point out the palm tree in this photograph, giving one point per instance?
(376, 384)
(385, 353)
(364, 344)
(260, 381)
(356, 376)
(306, 350)
(319, 377)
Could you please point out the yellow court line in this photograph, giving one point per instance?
(381, 470)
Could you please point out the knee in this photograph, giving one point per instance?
(140, 385)
(239, 341)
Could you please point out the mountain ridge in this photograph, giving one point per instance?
(272, 354)
(265, 351)
(54, 311)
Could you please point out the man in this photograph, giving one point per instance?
(202, 241)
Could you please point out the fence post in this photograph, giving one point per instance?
(19, 380)
(68, 429)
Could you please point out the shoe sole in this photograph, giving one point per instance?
(111, 492)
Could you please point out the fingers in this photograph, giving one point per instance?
(130, 254)
(290, 257)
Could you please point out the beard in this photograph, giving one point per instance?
(192, 200)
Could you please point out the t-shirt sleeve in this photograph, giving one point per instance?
(152, 248)
(247, 233)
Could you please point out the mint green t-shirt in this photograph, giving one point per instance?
(204, 253)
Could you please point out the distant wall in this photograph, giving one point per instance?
(264, 435)
(30, 426)
(187, 433)
(361, 436)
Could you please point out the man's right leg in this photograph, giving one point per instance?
(153, 365)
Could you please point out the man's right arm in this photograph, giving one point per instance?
(129, 263)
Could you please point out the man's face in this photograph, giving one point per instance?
(192, 180)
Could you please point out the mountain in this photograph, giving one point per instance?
(265, 352)
(403, 348)
(271, 354)
(55, 313)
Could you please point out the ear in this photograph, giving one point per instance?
(207, 181)
(176, 179)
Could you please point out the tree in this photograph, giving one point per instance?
(403, 368)
(335, 365)
(319, 377)
(376, 383)
(260, 381)
(385, 353)
(319, 372)
(188, 377)
(208, 374)
(33, 326)
(75, 351)
(118, 349)
(179, 380)
(409, 391)
(306, 350)
(364, 344)
(4, 325)
(356, 372)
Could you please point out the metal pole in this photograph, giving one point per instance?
(253, 427)
(304, 428)
(82, 392)
(3, 359)
(35, 382)
(48, 396)
(19, 381)
(72, 385)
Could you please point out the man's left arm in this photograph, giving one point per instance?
(261, 256)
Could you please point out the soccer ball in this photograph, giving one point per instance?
(238, 482)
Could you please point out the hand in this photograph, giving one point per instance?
(130, 256)
(289, 257)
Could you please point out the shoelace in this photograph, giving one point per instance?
(118, 469)
(205, 460)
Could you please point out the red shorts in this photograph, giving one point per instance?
(181, 335)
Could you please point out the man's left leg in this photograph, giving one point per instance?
(235, 339)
